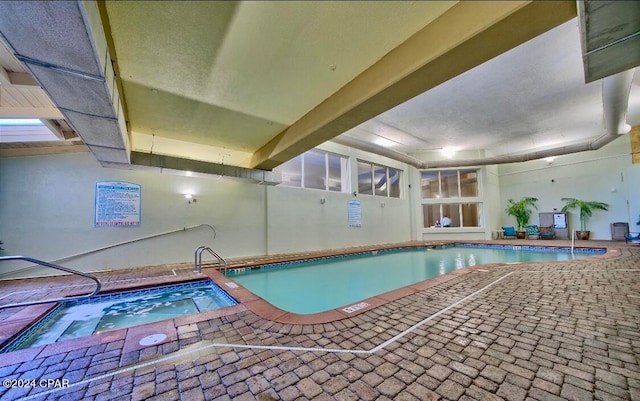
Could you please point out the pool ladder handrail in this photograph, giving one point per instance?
(222, 264)
(57, 267)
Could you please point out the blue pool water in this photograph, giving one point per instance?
(116, 311)
(321, 285)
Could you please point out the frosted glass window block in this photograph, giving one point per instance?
(380, 179)
(365, 178)
(394, 183)
(471, 215)
(335, 172)
(452, 211)
(431, 215)
(430, 184)
(315, 170)
(449, 184)
(469, 183)
(291, 172)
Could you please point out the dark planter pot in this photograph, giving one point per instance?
(521, 234)
(584, 235)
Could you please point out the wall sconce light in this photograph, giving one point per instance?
(382, 204)
(323, 201)
(190, 199)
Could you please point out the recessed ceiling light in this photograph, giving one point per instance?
(449, 151)
(384, 142)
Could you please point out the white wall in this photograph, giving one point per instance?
(606, 175)
(298, 221)
(47, 212)
(492, 207)
(47, 206)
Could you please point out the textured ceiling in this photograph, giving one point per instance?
(254, 83)
(532, 96)
(235, 74)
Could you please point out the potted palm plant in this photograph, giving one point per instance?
(521, 211)
(586, 210)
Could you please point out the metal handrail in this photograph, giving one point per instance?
(198, 259)
(51, 265)
(67, 258)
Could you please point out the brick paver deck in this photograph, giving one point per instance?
(539, 331)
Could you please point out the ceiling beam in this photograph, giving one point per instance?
(22, 79)
(74, 68)
(59, 131)
(8, 78)
(464, 37)
(4, 77)
(49, 113)
(53, 127)
(40, 148)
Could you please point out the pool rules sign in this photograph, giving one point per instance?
(117, 204)
(354, 210)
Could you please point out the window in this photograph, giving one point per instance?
(449, 184)
(430, 184)
(470, 214)
(365, 179)
(451, 195)
(291, 172)
(468, 183)
(316, 169)
(25, 130)
(338, 172)
(378, 180)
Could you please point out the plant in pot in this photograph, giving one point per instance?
(521, 210)
(586, 210)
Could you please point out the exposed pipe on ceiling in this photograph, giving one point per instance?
(615, 99)
(377, 149)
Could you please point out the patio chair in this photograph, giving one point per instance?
(509, 232)
(532, 231)
(634, 238)
(547, 233)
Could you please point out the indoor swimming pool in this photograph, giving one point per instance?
(319, 285)
(102, 313)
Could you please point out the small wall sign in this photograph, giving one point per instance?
(355, 213)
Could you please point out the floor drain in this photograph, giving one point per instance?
(152, 339)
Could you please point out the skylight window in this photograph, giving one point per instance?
(20, 121)
(25, 130)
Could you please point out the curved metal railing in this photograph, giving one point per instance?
(67, 258)
(52, 266)
(222, 264)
